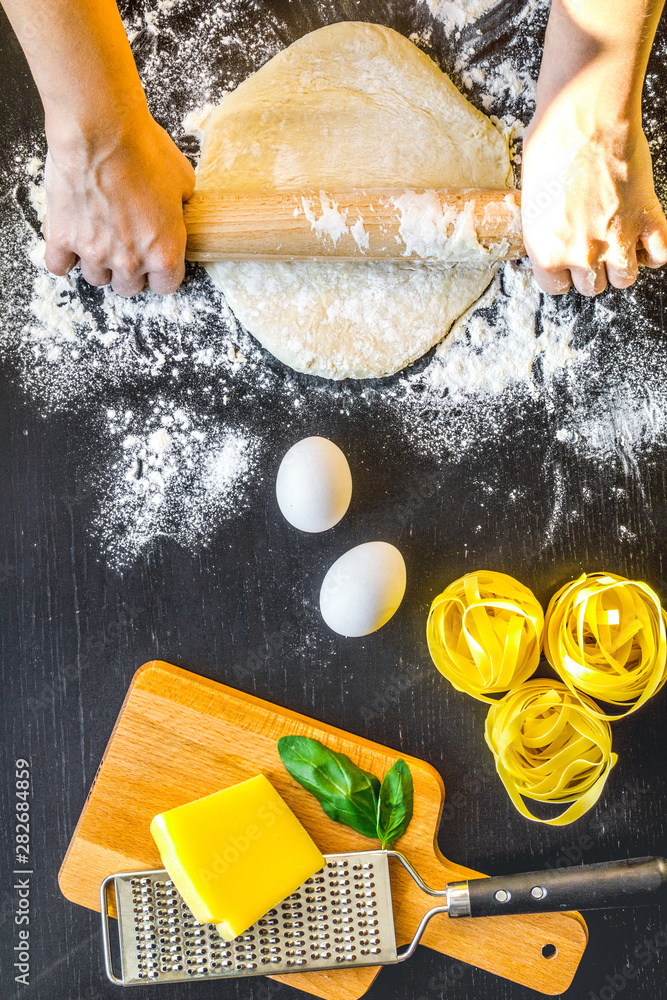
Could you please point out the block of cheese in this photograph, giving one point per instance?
(235, 854)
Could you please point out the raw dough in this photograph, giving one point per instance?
(352, 105)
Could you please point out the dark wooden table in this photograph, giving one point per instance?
(244, 610)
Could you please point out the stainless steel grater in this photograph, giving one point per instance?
(341, 917)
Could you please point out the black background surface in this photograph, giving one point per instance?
(73, 630)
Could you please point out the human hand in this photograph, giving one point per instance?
(588, 200)
(114, 197)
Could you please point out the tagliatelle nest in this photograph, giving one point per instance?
(484, 633)
(549, 745)
(605, 637)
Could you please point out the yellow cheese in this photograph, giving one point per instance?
(235, 854)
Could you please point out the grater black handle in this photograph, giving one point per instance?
(588, 887)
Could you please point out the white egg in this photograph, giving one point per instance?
(363, 589)
(314, 484)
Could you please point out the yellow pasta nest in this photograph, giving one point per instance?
(484, 633)
(605, 636)
(550, 746)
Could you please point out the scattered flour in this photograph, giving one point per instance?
(176, 476)
(456, 15)
(486, 354)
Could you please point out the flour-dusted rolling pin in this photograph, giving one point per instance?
(449, 226)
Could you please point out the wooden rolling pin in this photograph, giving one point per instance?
(449, 226)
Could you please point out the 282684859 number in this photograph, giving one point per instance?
(22, 830)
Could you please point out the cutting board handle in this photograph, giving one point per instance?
(546, 945)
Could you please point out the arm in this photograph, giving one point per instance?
(115, 182)
(588, 194)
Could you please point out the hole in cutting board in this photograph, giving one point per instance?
(549, 951)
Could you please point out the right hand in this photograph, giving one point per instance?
(114, 197)
(588, 201)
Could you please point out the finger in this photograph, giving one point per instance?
(589, 280)
(622, 267)
(59, 259)
(166, 267)
(620, 256)
(166, 282)
(553, 281)
(95, 274)
(166, 278)
(128, 285)
(654, 239)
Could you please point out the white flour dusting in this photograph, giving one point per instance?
(175, 477)
(485, 356)
(456, 15)
(184, 410)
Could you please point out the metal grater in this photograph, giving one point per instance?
(341, 917)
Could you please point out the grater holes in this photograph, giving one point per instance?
(335, 909)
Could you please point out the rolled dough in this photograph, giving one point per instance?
(352, 105)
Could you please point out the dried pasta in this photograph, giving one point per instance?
(550, 746)
(484, 633)
(605, 637)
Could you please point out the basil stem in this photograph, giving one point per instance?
(394, 804)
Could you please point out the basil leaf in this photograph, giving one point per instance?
(346, 793)
(395, 803)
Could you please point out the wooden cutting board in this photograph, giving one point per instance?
(180, 736)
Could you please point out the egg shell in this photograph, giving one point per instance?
(363, 589)
(314, 484)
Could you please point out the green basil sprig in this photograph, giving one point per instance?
(348, 794)
(395, 803)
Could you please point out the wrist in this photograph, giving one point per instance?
(114, 118)
(594, 60)
(587, 107)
